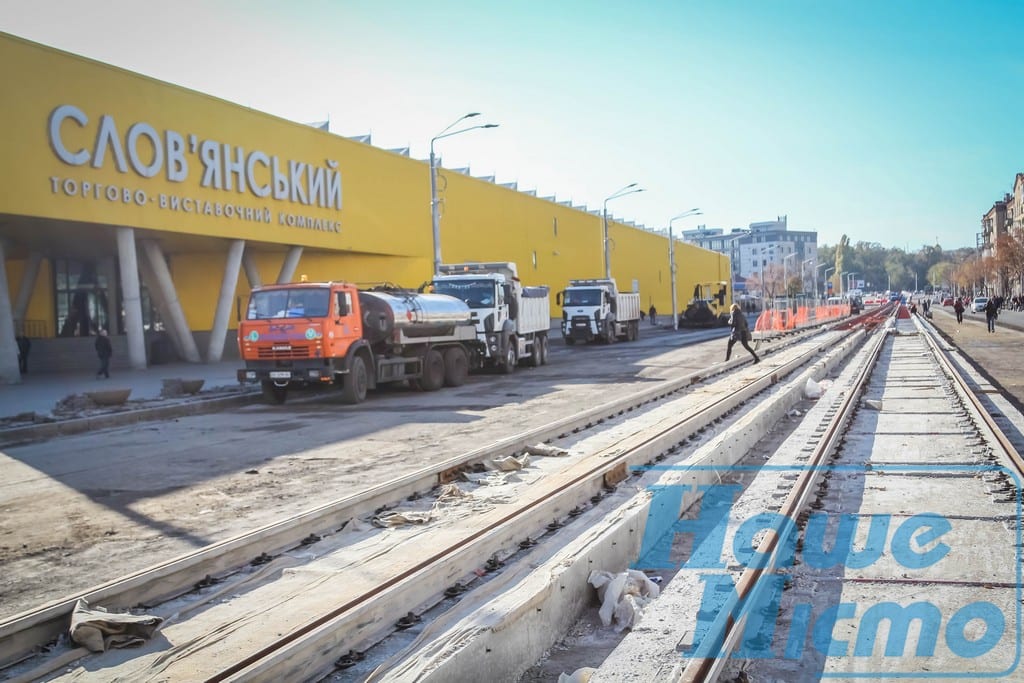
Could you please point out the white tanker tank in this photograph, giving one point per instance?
(415, 315)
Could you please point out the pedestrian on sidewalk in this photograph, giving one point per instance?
(958, 306)
(991, 313)
(653, 314)
(740, 332)
(104, 350)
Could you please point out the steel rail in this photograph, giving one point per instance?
(728, 629)
(23, 632)
(322, 636)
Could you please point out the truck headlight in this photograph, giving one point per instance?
(250, 374)
(314, 374)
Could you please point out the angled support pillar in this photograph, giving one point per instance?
(9, 372)
(252, 273)
(129, 262)
(227, 292)
(176, 322)
(157, 297)
(27, 285)
(291, 262)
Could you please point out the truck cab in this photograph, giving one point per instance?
(298, 334)
(595, 309)
(511, 323)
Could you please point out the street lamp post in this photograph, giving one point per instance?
(628, 189)
(785, 275)
(672, 262)
(803, 276)
(435, 216)
(849, 281)
(769, 251)
(816, 269)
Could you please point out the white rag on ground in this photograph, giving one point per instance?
(99, 630)
(547, 451)
(578, 676)
(623, 596)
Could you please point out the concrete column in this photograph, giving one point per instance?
(27, 285)
(107, 268)
(9, 372)
(252, 274)
(132, 298)
(176, 322)
(227, 293)
(291, 262)
(161, 306)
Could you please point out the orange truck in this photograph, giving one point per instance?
(333, 333)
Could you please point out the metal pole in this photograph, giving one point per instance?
(672, 275)
(435, 219)
(604, 239)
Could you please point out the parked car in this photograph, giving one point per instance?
(978, 305)
(948, 301)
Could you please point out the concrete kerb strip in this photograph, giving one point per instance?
(191, 406)
(490, 638)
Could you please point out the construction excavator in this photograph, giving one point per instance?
(707, 308)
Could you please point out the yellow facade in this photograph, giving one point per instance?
(88, 147)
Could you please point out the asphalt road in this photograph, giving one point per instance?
(83, 509)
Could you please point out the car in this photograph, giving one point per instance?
(948, 301)
(979, 303)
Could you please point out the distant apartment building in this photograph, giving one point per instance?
(755, 247)
(1006, 217)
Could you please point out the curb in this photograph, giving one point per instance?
(49, 430)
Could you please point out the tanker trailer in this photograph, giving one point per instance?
(333, 333)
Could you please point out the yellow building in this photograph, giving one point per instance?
(135, 205)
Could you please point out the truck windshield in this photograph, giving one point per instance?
(476, 293)
(289, 303)
(582, 297)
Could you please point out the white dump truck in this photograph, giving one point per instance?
(596, 309)
(512, 321)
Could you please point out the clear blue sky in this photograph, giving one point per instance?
(894, 121)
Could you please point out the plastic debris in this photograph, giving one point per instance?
(510, 463)
(546, 450)
(393, 519)
(872, 404)
(623, 596)
(812, 389)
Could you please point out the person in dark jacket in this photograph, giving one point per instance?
(958, 306)
(991, 313)
(740, 332)
(104, 350)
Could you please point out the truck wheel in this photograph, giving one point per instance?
(353, 388)
(636, 329)
(456, 366)
(507, 366)
(609, 332)
(273, 393)
(535, 353)
(543, 341)
(432, 378)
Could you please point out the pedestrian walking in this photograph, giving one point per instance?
(958, 306)
(991, 313)
(104, 350)
(653, 314)
(740, 332)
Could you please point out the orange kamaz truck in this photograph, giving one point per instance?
(307, 333)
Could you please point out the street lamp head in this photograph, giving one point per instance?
(471, 114)
(489, 125)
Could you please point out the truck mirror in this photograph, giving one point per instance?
(238, 309)
(558, 298)
(342, 304)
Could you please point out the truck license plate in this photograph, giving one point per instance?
(280, 374)
(282, 347)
